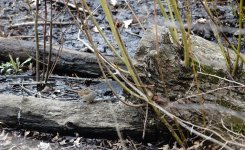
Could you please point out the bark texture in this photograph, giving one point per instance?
(69, 61)
(164, 68)
(92, 120)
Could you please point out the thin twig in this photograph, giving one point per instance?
(221, 78)
(240, 135)
(39, 23)
(37, 43)
(210, 91)
(210, 107)
(28, 83)
(145, 122)
(30, 92)
(23, 36)
(50, 44)
(70, 5)
(117, 126)
(44, 37)
(136, 17)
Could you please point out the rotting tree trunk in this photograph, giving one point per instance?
(70, 61)
(178, 81)
(91, 120)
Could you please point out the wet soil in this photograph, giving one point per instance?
(15, 12)
(58, 87)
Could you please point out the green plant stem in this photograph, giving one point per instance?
(232, 45)
(119, 41)
(102, 34)
(239, 38)
(101, 62)
(172, 30)
(182, 135)
(182, 29)
(216, 34)
(175, 34)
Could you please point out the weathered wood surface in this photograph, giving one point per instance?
(70, 61)
(178, 81)
(49, 115)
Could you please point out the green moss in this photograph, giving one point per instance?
(229, 105)
(235, 124)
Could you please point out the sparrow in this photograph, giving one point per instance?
(86, 95)
(160, 100)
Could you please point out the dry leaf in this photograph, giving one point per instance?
(113, 2)
(27, 133)
(77, 141)
(96, 30)
(127, 23)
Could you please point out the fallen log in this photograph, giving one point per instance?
(91, 120)
(214, 93)
(70, 61)
(177, 83)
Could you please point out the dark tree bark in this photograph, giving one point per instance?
(70, 61)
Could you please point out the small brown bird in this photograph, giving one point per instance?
(86, 95)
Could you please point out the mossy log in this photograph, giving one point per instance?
(164, 68)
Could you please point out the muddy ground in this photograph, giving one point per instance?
(15, 13)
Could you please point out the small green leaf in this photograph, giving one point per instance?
(12, 62)
(8, 71)
(26, 61)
